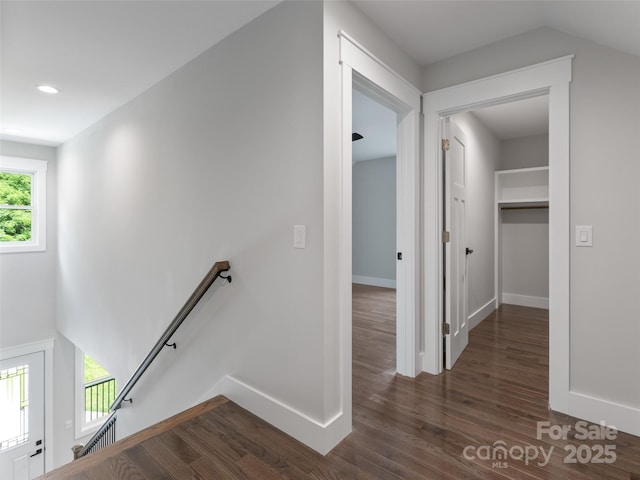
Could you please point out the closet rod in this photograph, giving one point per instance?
(528, 207)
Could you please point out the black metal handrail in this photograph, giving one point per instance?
(198, 293)
(108, 428)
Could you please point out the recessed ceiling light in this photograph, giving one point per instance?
(47, 89)
(13, 131)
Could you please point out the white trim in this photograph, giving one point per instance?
(321, 436)
(596, 410)
(38, 170)
(360, 67)
(552, 77)
(374, 281)
(45, 346)
(525, 300)
(483, 312)
(26, 349)
(351, 52)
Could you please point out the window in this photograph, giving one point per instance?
(14, 406)
(95, 392)
(23, 195)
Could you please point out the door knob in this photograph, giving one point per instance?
(469, 251)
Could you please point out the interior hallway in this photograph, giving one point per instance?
(497, 391)
(403, 428)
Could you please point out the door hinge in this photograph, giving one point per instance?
(446, 237)
(446, 329)
(445, 144)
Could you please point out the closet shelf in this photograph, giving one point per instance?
(522, 186)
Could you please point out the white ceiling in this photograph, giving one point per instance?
(101, 54)
(432, 30)
(377, 125)
(522, 118)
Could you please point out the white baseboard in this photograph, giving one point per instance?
(596, 410)
(483, 312)
(374, 281)
(525, 300)
(321, 436)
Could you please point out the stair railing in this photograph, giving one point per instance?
(106, 433)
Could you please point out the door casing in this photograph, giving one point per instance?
(362, 68)
(553, 78)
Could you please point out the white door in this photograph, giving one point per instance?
(455, 250)
(22, 417)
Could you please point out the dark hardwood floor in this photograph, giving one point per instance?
(431, 427)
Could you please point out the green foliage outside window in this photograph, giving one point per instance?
(93, 370)
(15, 192)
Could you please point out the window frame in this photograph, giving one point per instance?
(38, 171)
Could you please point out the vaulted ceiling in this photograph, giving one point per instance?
(432, 30)
(101, 54)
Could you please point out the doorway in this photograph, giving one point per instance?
(22, 416)
(502, 244)
(374, 214)
(365, 73)
(552, 77)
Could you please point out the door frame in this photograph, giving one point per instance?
(361, 68)
(45, 346)
(553, 78)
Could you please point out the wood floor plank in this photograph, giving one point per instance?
(255, 468)
(145, 462)
(171, 459)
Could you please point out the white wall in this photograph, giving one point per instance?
(344, 16)
(374, 222)
(525, 257)
(28, 304)
(604, 102)
(483, 154)
(27, 280)
(524, 152)
(218, 161)
(525, 233)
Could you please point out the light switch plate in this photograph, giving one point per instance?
(299, 236)
(584, 236)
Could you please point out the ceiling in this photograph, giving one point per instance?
(432, 30)
(101, 54)
(522, 118)
(377, 125)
